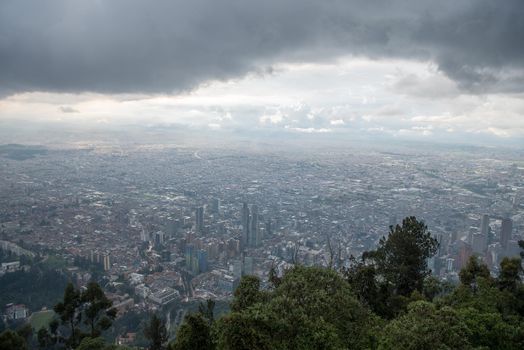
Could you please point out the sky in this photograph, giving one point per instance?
(406, 69)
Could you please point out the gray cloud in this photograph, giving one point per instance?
(122, 46)
(67, 109)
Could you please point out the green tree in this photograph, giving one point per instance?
(97, 309)
(156, 332)
(207, 310)
(89, 343)
(489, 330)
(194, 333)
(509, 277)
(425, 327)
(70, 315)
(401, 258)
(470, 274)
(312, 308)
(26, 332)
(10, 340)
(45, 339)
(247, 293)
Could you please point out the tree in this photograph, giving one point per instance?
(194, 333)
(26, 332)
(98, 312)
(10, 340)
(156, 332)
(425, 327)
(207, 310)
(384, 279)
(401, 258)
(89, 343)
(312, 308)
(247, 293)
(509, 277)
(45, 339)
(70, 314)
(473, 270)
(488, 330)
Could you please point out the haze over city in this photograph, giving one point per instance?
(288, 174)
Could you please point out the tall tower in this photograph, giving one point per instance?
(505, 232)
(253, 234)
(484, 230)
(245, 224)
(199, 219)
(215, 206)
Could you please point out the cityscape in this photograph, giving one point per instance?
(262, 175)
(178, 224)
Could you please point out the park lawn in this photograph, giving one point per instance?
(41, 319)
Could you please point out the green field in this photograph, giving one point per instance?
(41, 319)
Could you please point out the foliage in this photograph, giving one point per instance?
(401, 258)
(97, 310)
(10, 340)
(194, 333)
(91, 306)
(426, 327)
(156, 332)
(312, 308)
(247, 293)
(35, 288)
(385, 278)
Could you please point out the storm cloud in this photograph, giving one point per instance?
(128, 46)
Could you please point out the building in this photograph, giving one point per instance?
(16, 311)
(248, 265)
(484, 226)
(505, 232)
(215, 206)
(190, 253)
(245, 224)
(253, 239)
(478, 243)
(202, 260)
(164, 296)
(159, 238)
(107, 262)
(199, 219)
(10, 267)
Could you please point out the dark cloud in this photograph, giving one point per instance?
(119, 46)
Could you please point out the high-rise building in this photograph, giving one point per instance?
(202, 260)
(159, 238)
(253, 239)
(484, 225)
(107, 262)
(190, 253)
(485, 231)
(237, 269)
(268, 227)
(248, 265)
(215, 206)
(505, 232)
(245, 224)
(199, 219)
(479, 243)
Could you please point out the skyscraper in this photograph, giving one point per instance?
(484, 231)
(190, 253)
(505, 232)
(202, 260)
(199, 219)
(253, 234)
(245, 224)
(215, 206)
